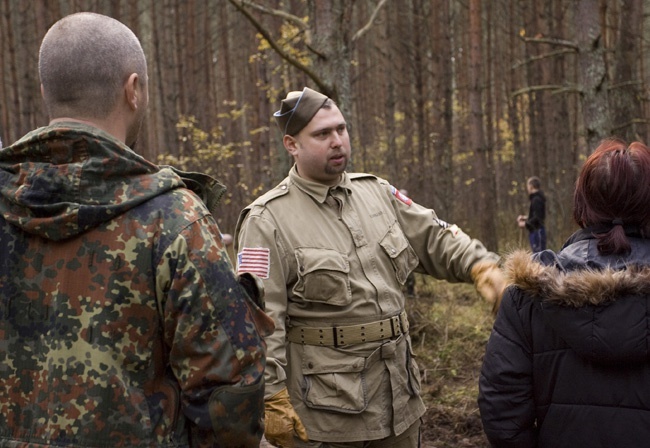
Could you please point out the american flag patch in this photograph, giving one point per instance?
(255, 260)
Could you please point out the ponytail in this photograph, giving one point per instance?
(613, 242)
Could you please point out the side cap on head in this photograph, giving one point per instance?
(297, 109)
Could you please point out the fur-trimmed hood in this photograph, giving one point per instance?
(575, 288)
(599, 306)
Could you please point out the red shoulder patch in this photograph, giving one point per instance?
(401, 196)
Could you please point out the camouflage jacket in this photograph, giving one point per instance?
(122, 322)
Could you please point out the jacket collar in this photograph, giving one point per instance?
(317, 190)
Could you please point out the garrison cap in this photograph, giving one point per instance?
(297, 109)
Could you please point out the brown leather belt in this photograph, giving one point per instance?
(343, 335)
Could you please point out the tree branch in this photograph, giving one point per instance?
(326, 90)
(630, 123)
(632, 82)
(368, 25)
(283, 15)
(543, 56)
(552, 41)
(555, 88)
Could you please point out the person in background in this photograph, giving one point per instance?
(333, 250)
(534, 221)
(122, 320)
(567, 362)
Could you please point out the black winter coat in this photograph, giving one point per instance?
(568, 360)
(536, 211)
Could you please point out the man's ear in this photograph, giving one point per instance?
(132, 91)
(291, 144)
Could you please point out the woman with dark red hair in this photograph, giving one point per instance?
(568, 360)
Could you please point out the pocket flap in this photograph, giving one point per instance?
(316, 360)
(394, 242)
(312, 259)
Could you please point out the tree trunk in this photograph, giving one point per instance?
(331, 36)
(592, 73)
(625, 89)
(483, 172)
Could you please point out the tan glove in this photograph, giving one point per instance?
(281, 421)
(490, 282)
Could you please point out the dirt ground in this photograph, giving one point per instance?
(450, 383)
(446, 428)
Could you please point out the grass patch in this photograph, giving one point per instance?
(450, 326)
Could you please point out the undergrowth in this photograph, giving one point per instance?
(449, 326)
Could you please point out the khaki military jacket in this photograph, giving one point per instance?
(338, 256)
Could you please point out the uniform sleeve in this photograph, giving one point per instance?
(258, 233)
(506, 396)
(215, 335)
(444, 250)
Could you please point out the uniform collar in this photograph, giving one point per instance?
(317, 190)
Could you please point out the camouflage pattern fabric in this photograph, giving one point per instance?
(122, 322)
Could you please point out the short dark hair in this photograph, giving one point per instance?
(84, 60)
(613, 192)
(534, 182)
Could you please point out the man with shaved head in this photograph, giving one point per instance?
(99, 75)
(122, 321)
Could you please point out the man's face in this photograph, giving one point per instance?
(322, 148)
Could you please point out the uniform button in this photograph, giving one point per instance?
(310, 365)
(283, 187)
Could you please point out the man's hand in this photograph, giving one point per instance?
(281, 421)
(490, 282)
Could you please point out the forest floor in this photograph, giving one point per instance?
(450, 326)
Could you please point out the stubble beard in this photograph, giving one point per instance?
(336, 170)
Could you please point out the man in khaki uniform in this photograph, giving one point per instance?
(333, 249)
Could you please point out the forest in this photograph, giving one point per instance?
(457, 101)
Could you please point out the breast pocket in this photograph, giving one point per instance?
(400, 252)
(323, 276)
